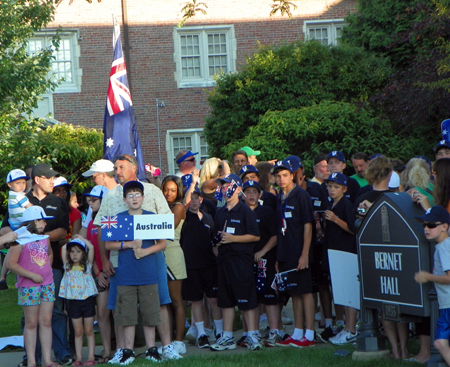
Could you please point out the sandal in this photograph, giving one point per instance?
(90, 363)
(77, 363)
(102, 360)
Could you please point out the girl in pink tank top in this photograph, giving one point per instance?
(32, 262)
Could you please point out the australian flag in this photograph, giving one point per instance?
(117, 228)
(119, 127)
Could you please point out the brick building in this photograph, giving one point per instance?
(169, 68)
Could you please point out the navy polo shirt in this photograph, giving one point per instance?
(336, 237)
(352, 189)
(269, 199)
(296, 210)
(265, 217)
(240, 220)
(195, 240)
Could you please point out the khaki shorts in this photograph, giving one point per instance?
(130, 298)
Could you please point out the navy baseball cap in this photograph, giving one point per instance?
(185, 156)
(247, 169)
(435, 214)
(135, 184)
(441, 144)
(295, 162)
(338, 178)
(251, 184)
(281, 165)
(336, 154)
(229, 178)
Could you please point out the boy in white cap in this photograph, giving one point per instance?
(17, 201)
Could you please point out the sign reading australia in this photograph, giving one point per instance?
(137, 227)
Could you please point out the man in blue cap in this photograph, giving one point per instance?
(185, 160)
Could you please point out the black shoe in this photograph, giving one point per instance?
(152, 355)
(3, 286)
(285, 337)
(203, 342)
(326, 334)
(128, 357)
(66, 361)
(218, 337)
(242, 342)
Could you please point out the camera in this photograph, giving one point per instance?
(361, 211)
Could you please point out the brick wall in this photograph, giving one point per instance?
(152, 67)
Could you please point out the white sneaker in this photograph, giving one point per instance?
(191, 335)
(180, 347)
(340, 338)
(254, 343)
(169, 352)
(117, 357)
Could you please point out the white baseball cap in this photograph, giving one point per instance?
(34, 213)
(61, 181)
(16, 174)
(100, 166)
(394, 182)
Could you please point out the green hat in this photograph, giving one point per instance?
(250, 151)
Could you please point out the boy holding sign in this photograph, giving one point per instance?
(137, 281)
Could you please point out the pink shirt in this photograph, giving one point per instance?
(34, 258)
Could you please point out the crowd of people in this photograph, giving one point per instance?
(248, 235)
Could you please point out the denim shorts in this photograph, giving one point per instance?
(33, 296)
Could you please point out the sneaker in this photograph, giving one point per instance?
(254, 343)
(351, 338)
(285, 336)
(285, 343)
(3, 286)
(180, 347)
(224, 343)
(128, 357)
(117, 357)
(340, 338)
(203, 342)
(152, 355)
(303, 343)
(242, 342)
(285, 319)
(191, 335)
(264, 334)
(66, 361)
(169, 352)
(326, 334)
(273, 339)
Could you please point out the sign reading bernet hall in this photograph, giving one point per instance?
(137, 227)
(392, 248)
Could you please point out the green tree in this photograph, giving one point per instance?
(325, 127)
(289, 76)
(380, 27)
(69, 149)
(23, 75)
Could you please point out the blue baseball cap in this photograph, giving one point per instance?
(295, 162)
(337, 177)
(131, 184)
(281, 165)
(441, 144)
(435, 214)
(251, 184)
(336, 154)
(98, 191)
(229, 178)
(247, 169)
(16, 174)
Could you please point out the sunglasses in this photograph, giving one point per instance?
(431, 225)
(190, 160)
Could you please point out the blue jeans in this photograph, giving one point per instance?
(59, 322)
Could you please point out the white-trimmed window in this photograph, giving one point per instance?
(65, 65)
(191, 139)
(326, 31)
(201, 52)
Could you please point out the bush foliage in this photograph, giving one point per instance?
(283, 77)
(323, 128)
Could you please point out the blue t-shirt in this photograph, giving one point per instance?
(132, 271)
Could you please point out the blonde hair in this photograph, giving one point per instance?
(210, 169)
(416, 174)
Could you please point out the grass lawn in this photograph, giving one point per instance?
(319, 356)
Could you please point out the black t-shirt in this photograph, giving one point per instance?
(296, 211)
(207, 206)
(336, 237)
(265, 217)
(371, 196)
(57, 208)
(195, 240)
(269, 199)
(352, 189)
(240, 220)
